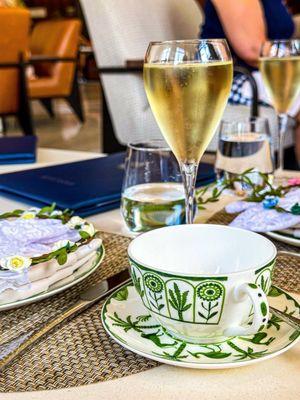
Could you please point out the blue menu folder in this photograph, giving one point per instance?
(17, 150)
(86, 187)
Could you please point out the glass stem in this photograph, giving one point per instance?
(282, 126)
(189, 174)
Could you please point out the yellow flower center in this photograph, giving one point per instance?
(28, 216)
(17, 262)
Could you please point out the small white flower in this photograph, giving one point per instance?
(89, 229)
(15, 263)
(56, 213)
(75, 221)
(62, 243)
(30, 214)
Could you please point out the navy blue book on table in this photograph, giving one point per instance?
(17, 150)
(86, 187)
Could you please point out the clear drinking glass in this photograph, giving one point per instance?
(279, 65)
(244, 144)
(187, 84)
(153, 194)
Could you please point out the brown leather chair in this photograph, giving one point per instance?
(55, 41)
(14, 35)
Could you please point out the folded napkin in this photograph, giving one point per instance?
(255, 217)
(13, 280)
(30, 238)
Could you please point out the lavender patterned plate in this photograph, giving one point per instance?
(129, 323)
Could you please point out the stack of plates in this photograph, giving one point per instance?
(290, 236)
(44, 251)
(59, 281)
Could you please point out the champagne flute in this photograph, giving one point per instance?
(187, 84)
(279, 65)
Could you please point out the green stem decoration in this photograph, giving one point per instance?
(258, 191)
(178, 301)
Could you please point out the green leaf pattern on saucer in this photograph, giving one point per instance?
(129, 323)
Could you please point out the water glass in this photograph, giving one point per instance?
(153, 194)
(244, 144)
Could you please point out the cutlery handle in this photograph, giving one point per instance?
(284, 253)
(289, 319)
(14, 347)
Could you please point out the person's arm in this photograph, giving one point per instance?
(244, 25)
(296, 19)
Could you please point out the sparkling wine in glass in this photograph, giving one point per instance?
(187, 84)
(279, 65)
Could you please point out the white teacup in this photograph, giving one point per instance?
(204, 282)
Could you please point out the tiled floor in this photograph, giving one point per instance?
(64, 131)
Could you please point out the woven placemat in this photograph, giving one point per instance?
(79, 352)
(287, 270)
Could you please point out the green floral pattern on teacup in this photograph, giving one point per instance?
(153, 289)
(264, 277)
(178, 299)
(198, 300)
(210, 291)
(153, 283)
(211, 296)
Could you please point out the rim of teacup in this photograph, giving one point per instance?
(268, 260)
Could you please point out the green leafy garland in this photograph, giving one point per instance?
(258, 192)
(65, 216)
(44, 213)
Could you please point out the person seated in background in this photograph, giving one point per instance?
(246, 24)
(294, 7)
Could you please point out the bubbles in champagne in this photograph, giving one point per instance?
(282, 79)
(188, 100)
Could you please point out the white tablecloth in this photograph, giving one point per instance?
(276, 379)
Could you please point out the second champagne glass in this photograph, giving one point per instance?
(279, 65)
(188, 83)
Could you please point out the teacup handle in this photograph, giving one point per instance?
(260, 306)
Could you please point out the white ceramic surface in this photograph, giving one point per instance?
(202, 249)
(204, 281)
(129, 323)
(284, 239)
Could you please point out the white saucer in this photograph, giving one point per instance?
(128, 322)
(79, 275)
(284, 238)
